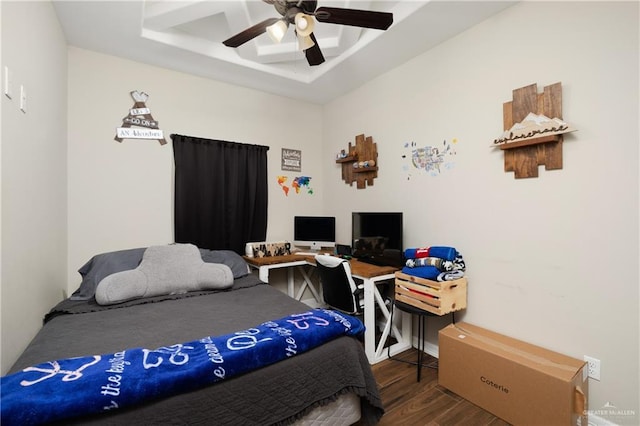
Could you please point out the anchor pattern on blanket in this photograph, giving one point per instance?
(67, 375)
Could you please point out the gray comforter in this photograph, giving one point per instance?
(277, 394)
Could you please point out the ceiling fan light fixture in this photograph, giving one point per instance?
(305, 42)
(303, 14)
(277, 30)
(304, 24)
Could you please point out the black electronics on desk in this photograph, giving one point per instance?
(314, 232)
(343, 250)
(376, 238)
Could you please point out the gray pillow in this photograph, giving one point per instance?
(228, 257)
(105, 264)
(168, 269)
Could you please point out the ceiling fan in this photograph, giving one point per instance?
(300, 13)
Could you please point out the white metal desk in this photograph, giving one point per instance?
(371, 276)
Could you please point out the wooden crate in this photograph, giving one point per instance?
(436, 297)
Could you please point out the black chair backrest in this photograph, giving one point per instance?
(336, 288)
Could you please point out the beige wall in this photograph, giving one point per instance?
(551, 260)
(34, 187)
(121, 194)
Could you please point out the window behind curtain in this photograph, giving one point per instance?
(220, 193)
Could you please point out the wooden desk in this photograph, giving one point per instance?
(371, 275)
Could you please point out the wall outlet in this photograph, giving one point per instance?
(593, 367)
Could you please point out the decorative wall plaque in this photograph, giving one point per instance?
(533, 130)
(359, 163)
(145, 127)
(291, 160)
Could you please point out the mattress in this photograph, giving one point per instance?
(342, 412)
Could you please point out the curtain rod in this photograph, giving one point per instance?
(218, 140)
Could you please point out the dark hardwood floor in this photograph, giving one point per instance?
(408, 402)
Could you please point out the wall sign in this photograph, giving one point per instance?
(291, 160)
(140, 117)
(530, 137)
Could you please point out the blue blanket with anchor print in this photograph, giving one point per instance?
(61, 389)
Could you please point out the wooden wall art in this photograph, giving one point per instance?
(360, 162)
(531, 138)
(140, 117)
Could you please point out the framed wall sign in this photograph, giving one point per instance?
(144, 126)
(291, 160)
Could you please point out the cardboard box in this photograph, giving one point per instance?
(521, 383)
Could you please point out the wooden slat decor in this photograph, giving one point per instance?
(436, 297)
(523, 158)
(364, 150)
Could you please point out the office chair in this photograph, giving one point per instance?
(339, 290)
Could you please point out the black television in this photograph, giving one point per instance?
(376, 237)
(315, 232)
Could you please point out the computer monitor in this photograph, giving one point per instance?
(377, 236)
(315, 232)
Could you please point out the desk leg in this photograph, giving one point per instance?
(307, 284)
(375, 354)
(291, 283)
(263, 272)
(369, 320)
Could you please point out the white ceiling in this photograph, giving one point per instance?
(187, 36)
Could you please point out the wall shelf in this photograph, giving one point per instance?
(532, 141)
(365, 169)
(364, 150)
(524, 156)
(349, 159)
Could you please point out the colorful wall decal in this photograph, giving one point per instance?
(430, 159)
(299, 183)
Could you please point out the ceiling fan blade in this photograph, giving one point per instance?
(250, 33)
(314, 54)
(355, 17)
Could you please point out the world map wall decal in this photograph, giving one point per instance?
(298, 183)
(431, 159)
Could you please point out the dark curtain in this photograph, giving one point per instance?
(220, 193)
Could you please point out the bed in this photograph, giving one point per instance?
(332, 382)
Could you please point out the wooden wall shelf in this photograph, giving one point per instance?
(365, 169)
(347, 159)
(533, 141)
(523, 157)
(364, 150)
